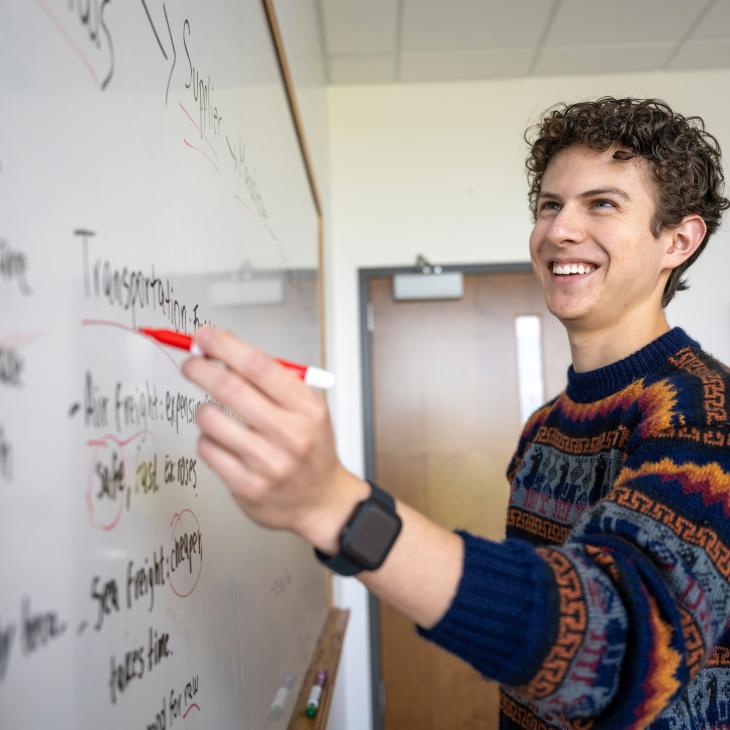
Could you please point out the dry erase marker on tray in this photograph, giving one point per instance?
(316, 377)
(282, 694)
(316, 694)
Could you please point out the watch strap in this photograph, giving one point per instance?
(341, 563)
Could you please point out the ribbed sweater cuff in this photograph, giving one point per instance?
(499, 619)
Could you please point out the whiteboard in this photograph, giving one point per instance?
(150, 175)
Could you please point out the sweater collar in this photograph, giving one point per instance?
(652, 358)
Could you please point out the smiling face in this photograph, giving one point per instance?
(592, 247)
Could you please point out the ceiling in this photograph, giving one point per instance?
(381, 41)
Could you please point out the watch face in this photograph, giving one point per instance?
(371, 534)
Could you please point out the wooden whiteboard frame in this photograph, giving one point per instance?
(286, 78)
(329, 646)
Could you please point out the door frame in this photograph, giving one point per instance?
(364, 276)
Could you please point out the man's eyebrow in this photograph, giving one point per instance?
(603, 191)
(589, 193)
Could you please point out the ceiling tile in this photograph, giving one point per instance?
(359, 26)
(702, 54)
(471, 39)
(461, 65)
(716, 24)
(622, 58)
(362, 69)
(436, 25)
(579, 22)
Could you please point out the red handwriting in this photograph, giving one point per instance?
(194, 705)
(13, 342)
(197, 126)
(105, 503)
(132, 330)
(62, 30)
(197, 149)
(186, 553)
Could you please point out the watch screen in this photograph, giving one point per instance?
(372, 535)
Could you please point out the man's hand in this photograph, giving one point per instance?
(281, 466)
(283, 471)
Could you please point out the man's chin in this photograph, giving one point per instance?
(566, 313)
(573, 319)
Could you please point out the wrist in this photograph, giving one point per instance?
(322, 527)
(368, 536)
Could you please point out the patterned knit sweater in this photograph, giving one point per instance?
(607, 605)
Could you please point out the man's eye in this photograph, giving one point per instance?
(549, 205)
(603, 203)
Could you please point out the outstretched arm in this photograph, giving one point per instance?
(283, 471)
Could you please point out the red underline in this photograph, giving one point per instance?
(195, 705)
(212, 162)
(119, 325)
(119, 442)
(59, 26)
(195, 124)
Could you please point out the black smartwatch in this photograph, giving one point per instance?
(368, 536)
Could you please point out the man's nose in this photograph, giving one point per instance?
(566, 226)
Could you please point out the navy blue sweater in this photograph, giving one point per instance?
(607, 604)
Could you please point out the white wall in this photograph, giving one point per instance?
(438, 169)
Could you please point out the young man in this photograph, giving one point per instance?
(611, 616)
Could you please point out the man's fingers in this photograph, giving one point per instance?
(254, 365)
(242, 482)
(256, 452)
(232, 391)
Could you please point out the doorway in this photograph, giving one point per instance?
(442, 418)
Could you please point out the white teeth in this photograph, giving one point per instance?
(572, 268)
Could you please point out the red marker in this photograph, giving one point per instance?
(316, 377)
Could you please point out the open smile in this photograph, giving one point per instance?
(571, 270)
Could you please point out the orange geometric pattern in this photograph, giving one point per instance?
(604, 560)
(711, 481)
(660, 683)
(527, 719)
(713, 385)
(536, 525)
(521, 715)
(572, 626)
(693, 643)
(623, 400)
(706, 436)
(720, 657)
(615, 439)
(537, 416)
(700, 535)
(656, 403)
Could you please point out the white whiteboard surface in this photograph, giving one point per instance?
(148, 160)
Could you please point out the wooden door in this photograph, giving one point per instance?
(446, 420)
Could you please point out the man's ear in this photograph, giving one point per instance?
(686, 239)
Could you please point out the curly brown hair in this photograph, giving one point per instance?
(682, 158)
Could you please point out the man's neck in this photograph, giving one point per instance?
(595, 348)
